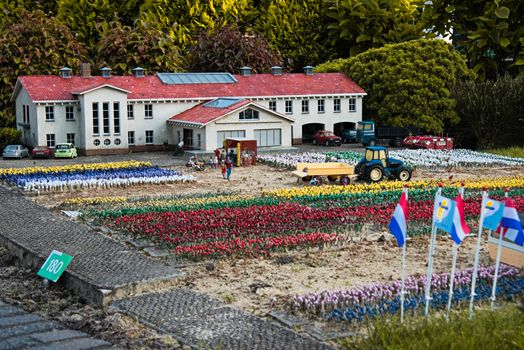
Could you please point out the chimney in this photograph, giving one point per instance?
(85, 70)
(105, 72)
(138, 72)
(245, 71)
(276, 70)
(65, 72)
(308, 70)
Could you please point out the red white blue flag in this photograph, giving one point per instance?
(510, 224)
(398, 225)
(459, 229)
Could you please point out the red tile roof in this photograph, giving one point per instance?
(201, 114)
(55, 88)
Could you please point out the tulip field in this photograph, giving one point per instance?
(418, 158)
(81, 176)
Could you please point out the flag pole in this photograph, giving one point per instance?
(477, 252)
(402, 277)
(453, 266)
(497, 264)
(430, 257)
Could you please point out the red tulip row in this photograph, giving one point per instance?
(253, 246)
(211, 229)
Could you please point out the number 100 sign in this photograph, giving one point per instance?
(54, 265)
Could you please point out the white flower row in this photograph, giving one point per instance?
(71, 185)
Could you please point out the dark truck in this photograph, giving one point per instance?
(369, 135)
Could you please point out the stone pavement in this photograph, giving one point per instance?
(22, 330)
(104, 270)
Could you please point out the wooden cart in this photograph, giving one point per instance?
(315, 173)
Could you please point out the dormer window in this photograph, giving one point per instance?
(248, 114)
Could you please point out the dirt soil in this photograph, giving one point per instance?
(259, 285)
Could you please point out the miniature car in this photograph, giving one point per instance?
(65, 150)
(327, 138)
(41, 152)
(15, 151)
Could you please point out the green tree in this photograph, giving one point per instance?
(358, 25)
(409, 83)
(298, 29)
(491, 112)
(32, 43)
(490, 33)
(123, 48)
(228, 49)
(183, 20)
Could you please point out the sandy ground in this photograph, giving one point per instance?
(262, 284)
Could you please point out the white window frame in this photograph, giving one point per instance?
(50, 140)
(96, 118)
(352, 104)
(273, 105)
(321, 106)
(130, 111)
(25, 113)
(106, 118)
(150, 138)
(49, 113)
(116, 118)
(249, 114)
(305, 106)
(289, 107)
(336, 105)
(148, 111)
(69, 113)
(130, 137)
(68, 138)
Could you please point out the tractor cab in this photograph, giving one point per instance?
(376, 164)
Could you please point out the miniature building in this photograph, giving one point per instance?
(109, 114)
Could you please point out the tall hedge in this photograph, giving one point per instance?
(408, 83)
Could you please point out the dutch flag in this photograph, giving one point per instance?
(398, 224)
(510, 223)
(459, 229)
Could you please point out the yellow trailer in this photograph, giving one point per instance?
(315, 172)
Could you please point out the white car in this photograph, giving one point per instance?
(15, 151)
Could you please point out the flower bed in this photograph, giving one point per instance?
(384, 298)
(413, 157)
(122, 174)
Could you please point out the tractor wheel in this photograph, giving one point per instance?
(404, 175)
(376, 173)
(306, 178)
(316, 181)
(332, 178)
(397, 142)
(344, 180)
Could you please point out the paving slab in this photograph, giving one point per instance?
(204, 322)
(102, 269)
(31, 331)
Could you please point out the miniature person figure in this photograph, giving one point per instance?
(232, 156)
(215, 162)
(222, 156)
(229, 167)
(223, 169)
(217, 153)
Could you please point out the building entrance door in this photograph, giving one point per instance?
(188, 138)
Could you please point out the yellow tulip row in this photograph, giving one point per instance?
(491, 183)
(73, 167)
(156, 202)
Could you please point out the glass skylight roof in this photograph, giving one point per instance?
(222, 102)
(196, 78)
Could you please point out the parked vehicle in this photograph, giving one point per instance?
(370, 135)
(376, 164)
(326, 138)
(349, 136)
(428, 142)
(15, 151)
(41, 152)
(65, 150)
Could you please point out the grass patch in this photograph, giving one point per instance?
(516, 152)
(500, 329)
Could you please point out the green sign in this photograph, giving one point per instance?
(55, 265)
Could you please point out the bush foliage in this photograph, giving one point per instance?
(409, 84)
(9, 136)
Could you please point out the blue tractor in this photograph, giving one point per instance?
(376, 165)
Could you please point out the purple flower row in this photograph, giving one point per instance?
(325, 301)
